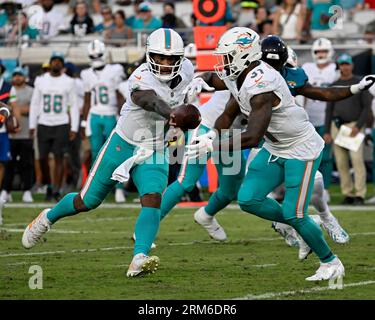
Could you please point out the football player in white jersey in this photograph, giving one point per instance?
(322, 73)
(101, 105)
(55, 112)
(135, 148)
(291, 153)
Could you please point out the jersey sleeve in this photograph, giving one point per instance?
(140, 80)
(295, 78)
(13, 95)
(260, 80)
(85, 80)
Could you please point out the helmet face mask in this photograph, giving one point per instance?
(164, 71)
(322, 51)
(236, 49)
(164, 54)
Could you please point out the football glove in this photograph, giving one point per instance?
(201, 145)
(194, 88)
(364, 84)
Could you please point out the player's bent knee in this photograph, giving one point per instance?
(87, 205)
(188, 185)
(248, 203)
(152, 200)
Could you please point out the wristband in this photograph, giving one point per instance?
(83, 123)
(354, 88)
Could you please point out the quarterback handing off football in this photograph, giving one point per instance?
(186, 116)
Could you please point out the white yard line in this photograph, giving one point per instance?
(5, 255)
(271, 295)
(52, 230)
(21, 205)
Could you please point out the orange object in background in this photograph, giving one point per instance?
(204, 97)
(212, 176)
(206, 38)
(205, 61)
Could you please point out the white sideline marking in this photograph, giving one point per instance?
(264, 265)
(270, 295)
(20, 205)
(52, 230)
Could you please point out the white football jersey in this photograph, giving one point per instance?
(52, 101)
(316, 109)
(290, 134)
(102, 84)
(214, 107)
(139, 126)
(53, 22)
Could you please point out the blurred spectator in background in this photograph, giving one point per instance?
(53, 20)
(351, 112)
(352, 5)
(5, 88)
(81, 23)
(227, 19)
(121, 31)
(27, 33)
(288, 20)
(169, 19)
(321, 72)
(93, 6)
(129, 21)
(107, 23)
(246, 17)
(21, 146)
(371, 126)
(146, 19)
(8, 18)
(72, 160)
(317, 19)
(263, 25)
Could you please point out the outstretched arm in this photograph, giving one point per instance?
(212, 79)
(150, 101)
(324, 94)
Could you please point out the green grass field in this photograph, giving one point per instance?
(86, 257)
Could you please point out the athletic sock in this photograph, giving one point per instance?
(216, 203)
(64, 208)
(171, 197)
(146, 229)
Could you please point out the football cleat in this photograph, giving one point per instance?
(304, 249)
(35, 230)
(334, 230)
(214, 229)
(142, 264)
(327, 271)
(287, 232)
(153, 245)
(27, 197)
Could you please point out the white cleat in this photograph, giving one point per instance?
(120, 196)
(334, 230)
(1, 211)
(214, 229)
(142, 264)
(304, 249)
(27, 197)
(327, 271)
(287, 232)
(36, 229)
(153, 245)
(370, 201)
(5, 196)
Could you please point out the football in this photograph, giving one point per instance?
(12, 124)
(186, 116)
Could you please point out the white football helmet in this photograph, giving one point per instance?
(322, 44)
(97, 53)
(236, 49)
(292, 58)
(166, 42)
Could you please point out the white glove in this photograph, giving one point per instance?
(364, 84)
(200, 146)
(194, 88)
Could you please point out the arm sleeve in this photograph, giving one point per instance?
(13, 95)
(366, 101)
(74, 109)
(35, 105)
